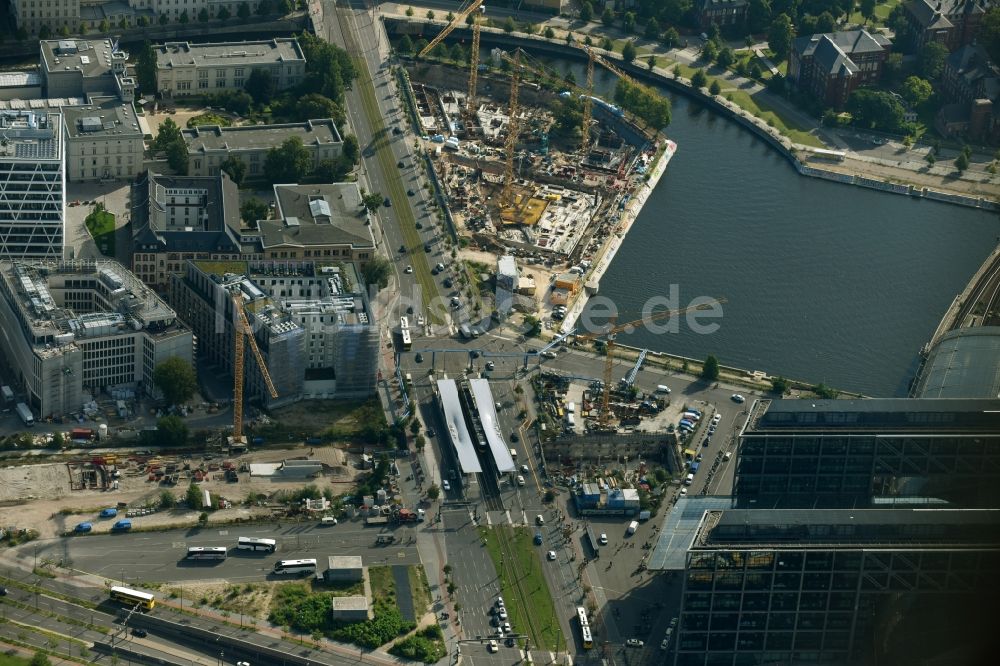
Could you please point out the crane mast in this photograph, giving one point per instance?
(507, 196)
(474, 62)
(241, 327)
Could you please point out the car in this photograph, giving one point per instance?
(408, 270)
(520, 480)
(514, 438)
(419, 225)
(634, 642)
(665, 644)
(455, 304)
(538, 538)
(548, 354)
(402, 249)
(474, 354)
(510, 642)
(673, 622)
(490, 365)
(410, 193)
(83, 527)
(328, 520)
(502, 614)
(419, 358)
(499, 602)
(507, 629)
(3, 591)
(736, 397)
(397, 131)
(448, 283)
(446, 485)
(551, 555)
(492, 646)
(439, 266)
(139, 633)
(558, 316)
(603, 539)
(717, 417)
(430, 432)
(684, 490)
(429, 248)
(698, 458)
(387, 203)
(524, 469)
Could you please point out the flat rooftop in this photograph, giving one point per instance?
(228, 54)
(102, 117)
(877, 415)
(491, 425)
(31, 135)
(20, 79)
(90, 57)
(208, 138)
(329, 214)
(344, 561)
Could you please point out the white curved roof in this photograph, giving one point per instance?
(458, 433)
(491, 424)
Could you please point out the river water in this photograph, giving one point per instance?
(825, 282)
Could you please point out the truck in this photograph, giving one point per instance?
(466, 331)
(7, 393)
(408, 516)
(632, 527)
(25, 413)
(374, 521)
(81, 434)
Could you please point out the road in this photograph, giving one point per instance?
(159, 556)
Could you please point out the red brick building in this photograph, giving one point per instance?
(954, 23)
(830, 66)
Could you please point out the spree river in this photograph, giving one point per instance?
(825, 282)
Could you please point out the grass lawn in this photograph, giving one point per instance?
(536, 603)
(10, 660)
(101, 225)
(209, 119)
(793, 131)
(420, 589)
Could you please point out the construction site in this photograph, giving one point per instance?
(530, 164)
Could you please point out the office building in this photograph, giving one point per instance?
(32, 201)
(841, 452)
(103, 141)
(838, 586)
(830, 66)
(312, 321)
(79, 326)
(198, 69)
(84, 67)
(209, 145)
(177, 218)
(31, 15)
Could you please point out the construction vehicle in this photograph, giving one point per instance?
(375, 521)
(609, 334)
(243, 334)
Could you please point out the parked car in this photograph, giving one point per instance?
(83, 528)
(603, 539)
(490, 365)
(552, 556)
(738, 398)
(139, 633)
(445, 484)
(492, 646)
(634, 642)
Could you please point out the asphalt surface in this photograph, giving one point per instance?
(159, 556)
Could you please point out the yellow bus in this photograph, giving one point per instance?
(144, 600)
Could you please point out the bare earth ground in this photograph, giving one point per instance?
(34, 495)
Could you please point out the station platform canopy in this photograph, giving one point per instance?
(483, 396)
(458, 432)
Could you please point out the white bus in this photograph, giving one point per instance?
(294, 567)
(253, 543)
(407, 339)
(585, 634)
(207, 553)
(404, 323)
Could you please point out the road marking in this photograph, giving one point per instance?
(489, 521)
(223, 532)
(178, 544)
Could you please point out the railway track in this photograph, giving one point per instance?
(985, 294)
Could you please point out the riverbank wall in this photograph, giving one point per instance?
(795, 154)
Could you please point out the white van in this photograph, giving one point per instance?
(570, 407)
(632, 527)
(513, 454)
(663, 388)
(539, 519)
(689, 480)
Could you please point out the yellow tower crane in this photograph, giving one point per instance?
(588, 102)
(611, 330)
(474, 55)
(242, 328)
(510, 143)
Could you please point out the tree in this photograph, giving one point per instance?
(458, 53)
(243, 11)
(351, 149)
(715, 88)
(825, 22)
(168, 133)
(449, 17)
(758, 15)
(875, 109)
(143, 21)
(868, 9)
(671, 38)
(314, 105)
(628, 22)
(710, 369)
(405, 45)
(409, 11)
(183, 18)
(171, 431)
(415, 427)
(39, 659)
(287, 163)
(193, 496)
(433, 492)
(651, 62)
(508, 25)
(203, 519)
(253, 209)
(930, 158)
(653, 108)
(709, 51)
(628, 51)
(725, 58)
(235, 168)
(893, 66)
(652, 28)
(962, 162)
(145, 68)
(586, 11)
(167, 499)
(930, 60)
(164, 19)
(64, 31)
(779, 385)
(176, 380)
(989, 33)
(259, 85)
(916, 90)
(377, 272)
(548, 34)
(177, 157)
(779, 36)
(203, 16)
(223, 14)
(698, 79)
(58, 441)
(608, 17)
(103, 26)
(419, 442)
(430, 14)
(607, 44)
(372, 201)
